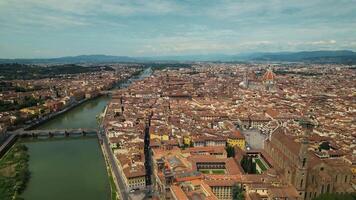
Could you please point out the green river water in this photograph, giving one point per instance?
(69, 168)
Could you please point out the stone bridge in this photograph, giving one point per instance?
(56, 132)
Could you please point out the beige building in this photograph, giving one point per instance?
(133, 172)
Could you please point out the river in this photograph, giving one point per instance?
(70, 168)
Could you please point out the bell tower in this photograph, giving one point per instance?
(301, 172)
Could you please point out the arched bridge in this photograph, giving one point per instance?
(56, 132)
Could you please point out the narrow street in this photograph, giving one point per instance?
(147, 152)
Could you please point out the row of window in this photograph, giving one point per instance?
(136, 181)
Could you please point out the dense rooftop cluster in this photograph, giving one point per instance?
(199, 122)
(31, 100)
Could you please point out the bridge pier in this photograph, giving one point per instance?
(50, 134)
(66, 134)
(84, 133)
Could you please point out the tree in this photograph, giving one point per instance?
(191, 144)
(245, 164)
(230, 151)
(253, 169)
(324, 146)
(248, 165)
(237, 192)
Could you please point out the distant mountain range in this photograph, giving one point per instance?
(72, 59)
(341, 56)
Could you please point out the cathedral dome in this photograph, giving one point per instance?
(269, 75)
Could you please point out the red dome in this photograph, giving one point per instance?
(269, 76)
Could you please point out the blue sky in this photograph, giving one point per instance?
(53, 28)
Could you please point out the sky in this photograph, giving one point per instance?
(55, 28)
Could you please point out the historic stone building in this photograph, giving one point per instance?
(309, 174)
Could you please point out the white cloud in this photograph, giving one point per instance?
(64, 13)
(189, 26)
(140, 7)
(323, 42)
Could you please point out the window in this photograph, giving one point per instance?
(301, 183)
(304, 161)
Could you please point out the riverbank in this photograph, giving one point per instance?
(55, 114)
(11, 137)
(38, 122)
(115, 192)
(14, 172)
(114, 187)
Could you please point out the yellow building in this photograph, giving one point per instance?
(163, 137)
(236, 139)
(31, 110)
(353, 169)
(187, 140)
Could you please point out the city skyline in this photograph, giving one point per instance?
(177, 99)
(42, 29)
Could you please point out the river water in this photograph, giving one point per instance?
(70, 168)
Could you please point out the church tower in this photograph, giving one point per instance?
(301, 172)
